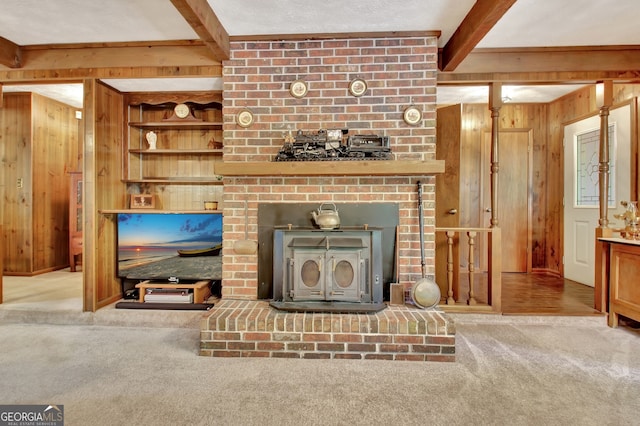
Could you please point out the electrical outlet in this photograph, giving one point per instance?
(20, 183)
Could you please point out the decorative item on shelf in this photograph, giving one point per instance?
(244, 118)
(299, 89)
(142, 201)
(412, 115)
(631, 219)
(332, 145)
(211, 205)
(213, 144)
(152, 138)
(357, 87)
(182, 112)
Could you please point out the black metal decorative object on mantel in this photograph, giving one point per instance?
(333, 145)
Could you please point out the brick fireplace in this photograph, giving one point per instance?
(399, 72)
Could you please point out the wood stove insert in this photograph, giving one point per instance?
(328, 271)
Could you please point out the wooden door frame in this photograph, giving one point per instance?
(481, 209)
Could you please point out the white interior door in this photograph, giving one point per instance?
(581, 187)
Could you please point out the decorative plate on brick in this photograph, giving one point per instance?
(357, 87)
(412, 115)
(244, 118)
(299, 89)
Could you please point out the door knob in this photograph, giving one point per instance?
(453, 211)
(488, 210)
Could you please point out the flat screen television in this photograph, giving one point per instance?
(184, 246)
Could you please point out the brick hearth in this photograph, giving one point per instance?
(240, 328)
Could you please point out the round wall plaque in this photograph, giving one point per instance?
(357, 87)
(299, 89)
(412, 115)
(244, 118)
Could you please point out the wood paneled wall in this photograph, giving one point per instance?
(547, 123)
(40, 139)
(18, 202)
(476, 119)
(104, 189)
(570, 108)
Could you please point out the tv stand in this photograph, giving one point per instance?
(201, 290)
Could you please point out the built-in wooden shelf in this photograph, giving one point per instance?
(136, 211)
(331, 168)
(177, 151)
(195, 125)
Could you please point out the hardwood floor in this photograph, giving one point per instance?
(536, 294)
(544, 294)
(522, 294)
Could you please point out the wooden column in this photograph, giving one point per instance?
(495, 238)
(89, 261)
(604, 100)
(495, 103)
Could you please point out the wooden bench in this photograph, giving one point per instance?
(201, 290)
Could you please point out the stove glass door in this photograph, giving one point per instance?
(308, 279)
(344, 275)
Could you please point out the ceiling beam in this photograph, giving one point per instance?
(65, 75)
(567, 77)
(583, 63)
(481, 18)
(205, 23)
(78, 57)
(10, 53)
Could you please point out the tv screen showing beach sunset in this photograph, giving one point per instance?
(144, 238)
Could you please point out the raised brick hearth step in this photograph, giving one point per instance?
(236, 328)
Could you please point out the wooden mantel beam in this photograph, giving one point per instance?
(206, 24)
(10, 54)
(481, 18)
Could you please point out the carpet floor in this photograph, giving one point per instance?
(509, 370)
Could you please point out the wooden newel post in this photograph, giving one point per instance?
(495, 103)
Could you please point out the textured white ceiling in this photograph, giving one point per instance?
(543, 23)
(28, 22)
(529, 23)
(70, 94)
(448, 95)
(251, 17)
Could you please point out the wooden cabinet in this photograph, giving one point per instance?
(624, 288)
(75, 219)
(180, 168)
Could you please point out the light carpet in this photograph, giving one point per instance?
(509, 370)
